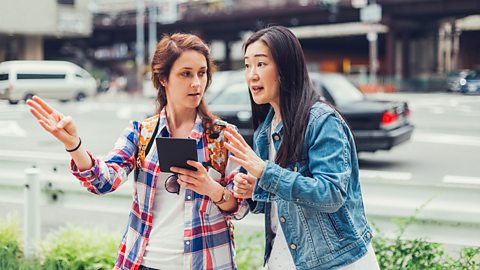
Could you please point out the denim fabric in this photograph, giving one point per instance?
(320, 203)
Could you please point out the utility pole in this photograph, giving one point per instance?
(140, 45)
(371, 14)
(152, 27)
(372, 38)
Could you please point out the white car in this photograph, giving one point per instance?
(61, 80)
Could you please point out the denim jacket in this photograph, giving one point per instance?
(319, 200)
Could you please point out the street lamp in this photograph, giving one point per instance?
(372, 13)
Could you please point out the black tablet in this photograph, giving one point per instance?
(174, 152)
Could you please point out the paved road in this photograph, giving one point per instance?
(444, 147)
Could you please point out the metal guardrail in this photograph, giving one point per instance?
(446, 213)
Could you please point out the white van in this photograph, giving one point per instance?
(20, 80)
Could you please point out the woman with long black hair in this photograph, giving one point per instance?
(303, 173)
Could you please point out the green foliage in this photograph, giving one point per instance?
(82, 249)
(10, 251)
(399, 253)
(86, 249)
(250, 249)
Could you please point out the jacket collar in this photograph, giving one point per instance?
(262, 142)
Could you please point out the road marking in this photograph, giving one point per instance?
(387, 175)
(437, 110)
(124, 113)
(446, 139)
(454, 179)
(11, 129)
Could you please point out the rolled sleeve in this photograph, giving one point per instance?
(86, 175)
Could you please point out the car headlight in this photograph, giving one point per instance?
(463, 81)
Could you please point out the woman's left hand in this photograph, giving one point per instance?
(198, 181)
(244, 154)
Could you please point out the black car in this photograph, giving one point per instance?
(471, 83)
(376, 125)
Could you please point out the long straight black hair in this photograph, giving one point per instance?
(297, 94)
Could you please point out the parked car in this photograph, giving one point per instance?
(376, 124)
(455, 79)
(471, 83)
(20, 80)
(222, 79)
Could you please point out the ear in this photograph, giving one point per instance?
(163, 83)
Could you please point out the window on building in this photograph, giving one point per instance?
(66, 2)
(3, 76)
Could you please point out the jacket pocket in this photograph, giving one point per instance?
(335, 226)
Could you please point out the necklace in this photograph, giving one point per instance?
(275, 121)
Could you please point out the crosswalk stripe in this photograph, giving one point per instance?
(454, 179)
(387, 175)
(446, 139)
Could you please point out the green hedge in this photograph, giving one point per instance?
(76, 248)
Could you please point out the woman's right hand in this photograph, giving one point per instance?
(244, 185)
(55, 123)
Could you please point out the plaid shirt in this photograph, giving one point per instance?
(208, 243)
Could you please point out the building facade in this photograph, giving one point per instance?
(25, 24)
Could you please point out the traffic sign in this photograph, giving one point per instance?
(371, 13)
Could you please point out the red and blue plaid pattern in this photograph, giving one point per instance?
(207, 240)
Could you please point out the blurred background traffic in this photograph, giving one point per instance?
(382, 45)
(404, 73)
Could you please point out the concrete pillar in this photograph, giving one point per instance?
(406, 55)
(390, 53)
(2, 51)
(448, 46)
(441, 50)
(228, 57)
(399, 59)
(456, 47)
(33, 48)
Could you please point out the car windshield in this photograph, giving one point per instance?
(474, 75)
(234, 94)
(341, 90)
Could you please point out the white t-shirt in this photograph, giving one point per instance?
(280, 257)
(165, 245)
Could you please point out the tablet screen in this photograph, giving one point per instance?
(174, 152)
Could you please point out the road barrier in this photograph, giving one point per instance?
(446, 213)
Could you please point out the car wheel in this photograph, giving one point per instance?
(27, 97)
(80, 97)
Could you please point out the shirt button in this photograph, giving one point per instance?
(189, 197)
(187, 243)
(369, 235)
(293, 246)
(276, 137)
(282, 220)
